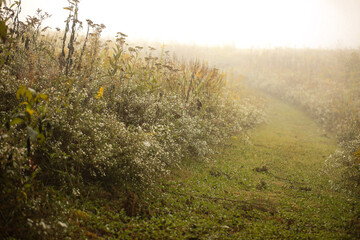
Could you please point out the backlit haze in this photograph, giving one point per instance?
(244, 24)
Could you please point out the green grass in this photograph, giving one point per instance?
(273, 188)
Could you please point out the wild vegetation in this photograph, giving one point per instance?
(81, 117)
(326, 84)
(323, 82)
(113, 140)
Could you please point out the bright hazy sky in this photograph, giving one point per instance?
(243, 23)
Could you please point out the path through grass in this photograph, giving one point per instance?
(274, 188)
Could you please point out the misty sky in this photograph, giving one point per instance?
(243, 23)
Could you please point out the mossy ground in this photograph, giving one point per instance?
(274, 187)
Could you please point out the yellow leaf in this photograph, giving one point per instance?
(82, 215)
(100, 93)
(30, 111)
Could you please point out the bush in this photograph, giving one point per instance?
(98, 114)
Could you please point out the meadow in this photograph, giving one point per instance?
(107, 139)
(324, 83)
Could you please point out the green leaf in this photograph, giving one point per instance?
(44, 96)
(28, 107)
(20, 91)
(32, 133)
(16, 121)
(29, 95)
(41, 138)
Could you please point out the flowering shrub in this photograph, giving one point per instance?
(99, 113)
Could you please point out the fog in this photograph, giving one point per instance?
(244, 24)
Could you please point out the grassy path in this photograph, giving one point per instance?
(274, 188)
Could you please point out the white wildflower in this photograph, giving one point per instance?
(146, 144)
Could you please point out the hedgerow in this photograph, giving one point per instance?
(79, 111)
